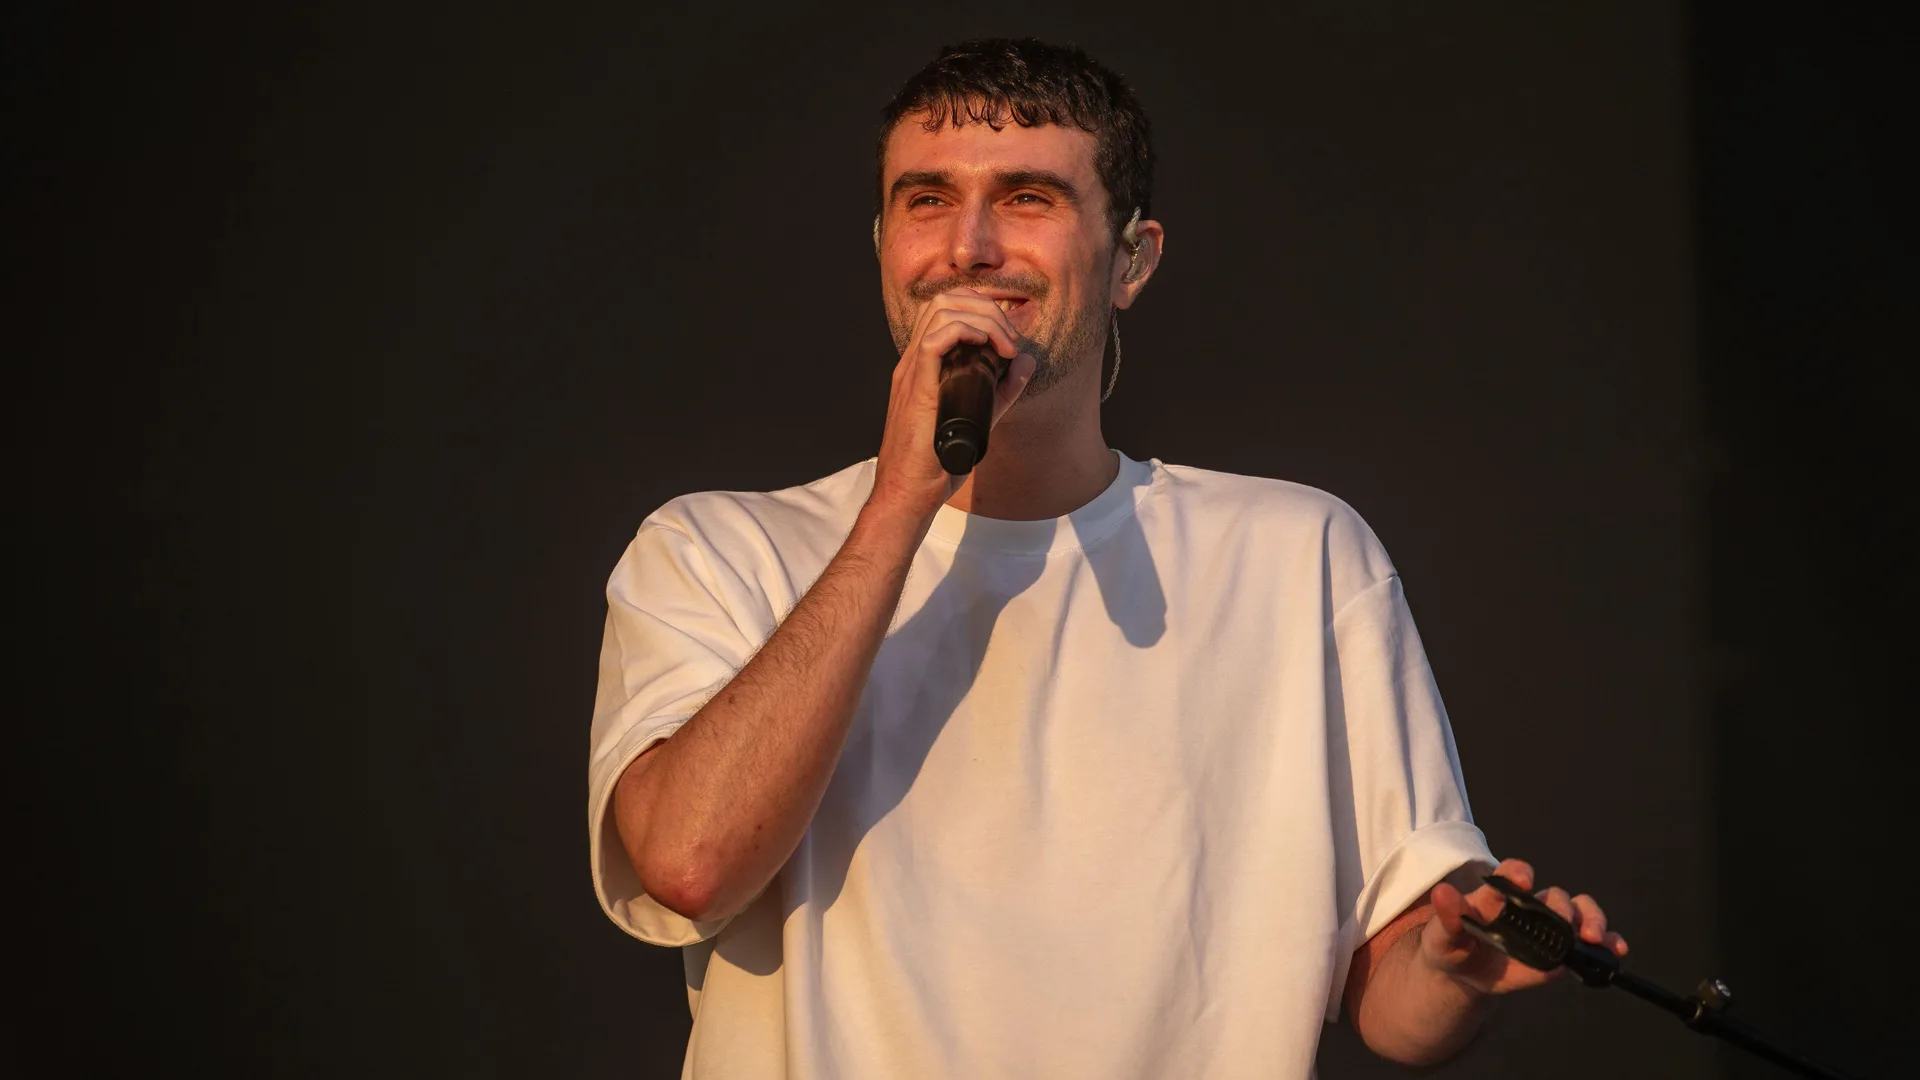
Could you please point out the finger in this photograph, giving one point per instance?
(929, 354)
(1593, 921)
(1562, 904)
(1518, 871)
(944, 335)
(1615, 942)
(1012, 385)
(937, 308)
(976, 298)
(999, 334)
(1485, 902)
(979, 304)
(1448, 906)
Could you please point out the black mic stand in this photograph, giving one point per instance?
(1535, 935)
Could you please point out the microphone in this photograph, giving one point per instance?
(968, 375)
(1535, 935)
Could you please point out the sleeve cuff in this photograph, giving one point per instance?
(1412, 868)
(614, 881)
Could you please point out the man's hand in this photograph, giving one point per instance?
(1447, 947)
(1421, 987)
(908, 476)
(710, 816)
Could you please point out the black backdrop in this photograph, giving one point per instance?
(359, 342)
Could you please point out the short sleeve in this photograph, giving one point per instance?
(669, 645)
(1400, 813)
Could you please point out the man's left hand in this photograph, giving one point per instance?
(1446, 946)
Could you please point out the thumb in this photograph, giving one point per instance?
(1448, 906)
(1012, 385)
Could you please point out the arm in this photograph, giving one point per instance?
(1420, 989)
(709, 816)
(1403, 1010)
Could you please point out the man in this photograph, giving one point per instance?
(1082, 767)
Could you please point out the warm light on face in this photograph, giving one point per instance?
(1018, 214)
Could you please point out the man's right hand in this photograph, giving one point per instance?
(908, 477)
(712, 815)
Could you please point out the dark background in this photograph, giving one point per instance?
(351, 347)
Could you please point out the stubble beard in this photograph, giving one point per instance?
(1061, 343)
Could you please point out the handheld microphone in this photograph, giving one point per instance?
(968, 375)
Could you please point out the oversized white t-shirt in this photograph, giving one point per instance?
(1123, 792)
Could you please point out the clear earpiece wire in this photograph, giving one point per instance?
(1114, 326)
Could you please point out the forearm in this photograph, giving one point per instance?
(713, 813)
(1416, 1014)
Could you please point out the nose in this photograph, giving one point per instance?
(975, 244)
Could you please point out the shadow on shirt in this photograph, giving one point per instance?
(926, 667)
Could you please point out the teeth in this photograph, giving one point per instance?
(1005, 305)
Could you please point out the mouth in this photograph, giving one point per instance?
(1019, 311)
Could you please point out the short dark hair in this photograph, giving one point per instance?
(998, 81)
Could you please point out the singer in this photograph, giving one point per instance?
(1074, 766)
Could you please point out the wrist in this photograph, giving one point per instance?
(893, 522)
(897, 511)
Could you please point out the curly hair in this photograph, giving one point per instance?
(1023, 81)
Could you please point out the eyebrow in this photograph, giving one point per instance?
(1036, 178)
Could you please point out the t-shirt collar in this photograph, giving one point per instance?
(1081, 528)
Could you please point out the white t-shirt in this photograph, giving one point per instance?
(1124, 791)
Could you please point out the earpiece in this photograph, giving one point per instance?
(876, 234)
(1130, 236)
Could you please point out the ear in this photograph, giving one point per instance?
(1141, 244)
(1130, 235)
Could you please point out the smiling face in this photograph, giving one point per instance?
(1018, 214)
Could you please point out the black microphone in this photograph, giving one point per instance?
(968, 375)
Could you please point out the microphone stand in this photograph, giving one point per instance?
(1535, 935)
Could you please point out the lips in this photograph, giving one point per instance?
(1019, 311)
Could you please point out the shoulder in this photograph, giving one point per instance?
(1282, 517)
(749, 526)
(1270, 504)
(1271, 498)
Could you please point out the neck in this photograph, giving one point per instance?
(1046, 457)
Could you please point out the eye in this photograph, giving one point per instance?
(923, 200)
(1027, 198)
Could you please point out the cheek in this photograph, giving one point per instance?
(1081, 277)
(1075, 293)
(908, 252)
